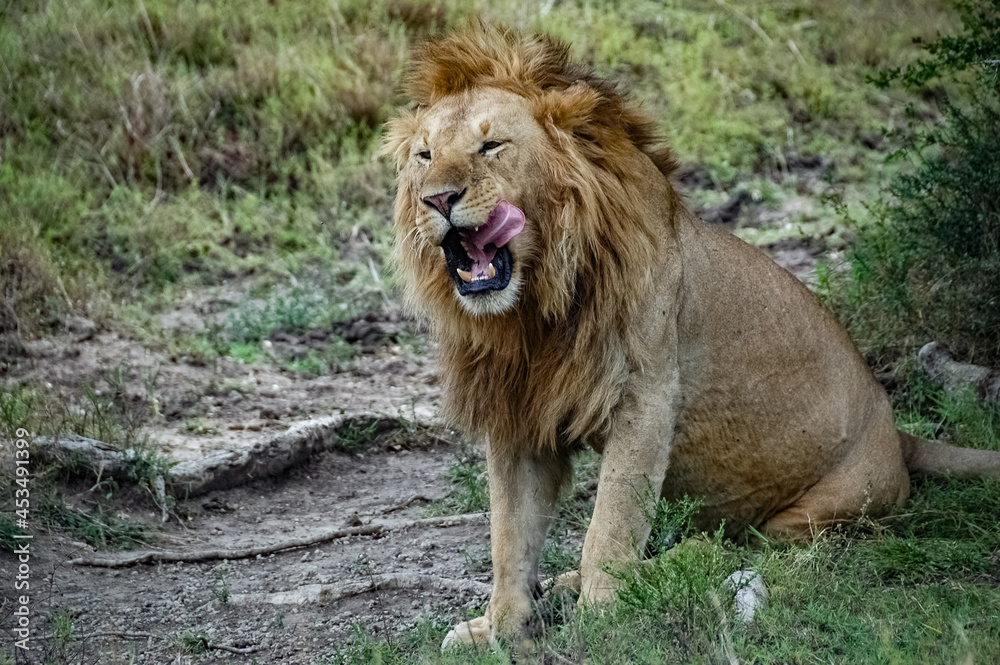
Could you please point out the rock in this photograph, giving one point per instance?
(750, 593)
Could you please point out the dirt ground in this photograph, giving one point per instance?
(263, 605)
(265, 609)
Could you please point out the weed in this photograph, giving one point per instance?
(101, 528)
(220, 587)
(311, 366)
(244, 353)
(558, 556)
(191, 643)
(200, 427)
(469, 490)
(62, 627)
(355, 437)
(9, 533)
(672, 521)
(17, 406)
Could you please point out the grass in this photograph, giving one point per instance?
(153, 148)
(922, 586)
(469, 491)
(108, 412)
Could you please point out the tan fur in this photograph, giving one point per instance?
(688, 359)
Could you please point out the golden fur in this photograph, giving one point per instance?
(690, 361)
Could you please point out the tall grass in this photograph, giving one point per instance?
(153, 144)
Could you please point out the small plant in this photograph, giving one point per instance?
(311, 366)
(469, 490)
(244, 353)
(672, 522)
(8, 532)
(101, 528)
(62, 627)
(192, 643)
(200, 427)
(557, 556)
(355, 437)
(220, 587)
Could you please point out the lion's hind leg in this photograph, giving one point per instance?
(838, 498)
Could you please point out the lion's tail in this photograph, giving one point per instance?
(939, 459)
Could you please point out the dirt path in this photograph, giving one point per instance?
(266, 604)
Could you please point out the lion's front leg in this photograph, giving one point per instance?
(524, 489)
(633, 467)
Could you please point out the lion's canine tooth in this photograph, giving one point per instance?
(465, 275)
(493, 272)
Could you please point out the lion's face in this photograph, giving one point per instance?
(471, 163)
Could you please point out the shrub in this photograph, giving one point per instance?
(928, 266)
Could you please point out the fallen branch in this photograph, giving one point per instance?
(953, 375)
(404, 504)
(271, 455)
(151, 636)
(331, 593)
(150, 556)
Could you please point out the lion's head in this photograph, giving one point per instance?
(505, 131)
(526, 228)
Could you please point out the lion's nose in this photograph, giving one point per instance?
(444, 202)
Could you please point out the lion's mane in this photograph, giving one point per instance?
(550, 370)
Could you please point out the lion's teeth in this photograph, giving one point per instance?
(493, 272)
(465, 275)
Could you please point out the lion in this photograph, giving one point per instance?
(577, 303)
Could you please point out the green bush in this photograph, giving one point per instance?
(928, 266)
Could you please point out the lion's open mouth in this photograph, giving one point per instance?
(478, 259)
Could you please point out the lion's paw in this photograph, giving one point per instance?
(475, 632)
(568, 581)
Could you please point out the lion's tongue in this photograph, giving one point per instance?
(505, 222)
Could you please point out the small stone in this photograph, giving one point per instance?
(750, 593)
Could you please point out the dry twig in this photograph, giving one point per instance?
(149, 556)
(330, 593)
(151, 636)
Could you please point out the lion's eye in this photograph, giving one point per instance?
(488, 146)
(424, 154)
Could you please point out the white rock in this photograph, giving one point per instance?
(750, 593)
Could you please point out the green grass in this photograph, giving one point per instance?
(153, 148)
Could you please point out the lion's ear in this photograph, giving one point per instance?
(567, 109)
(397, 139)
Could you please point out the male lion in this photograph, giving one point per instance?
(578, 303)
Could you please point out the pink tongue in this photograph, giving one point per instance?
(505, 222)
